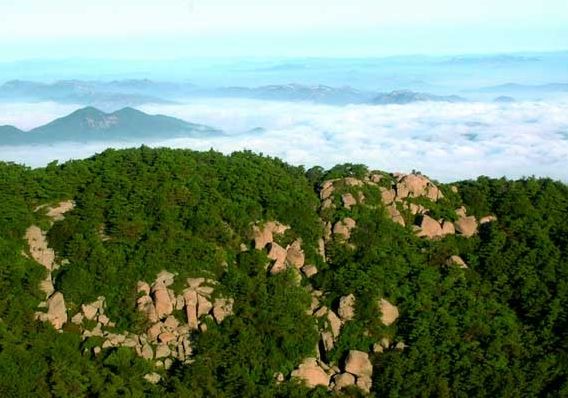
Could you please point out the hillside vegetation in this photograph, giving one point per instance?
(164, 272)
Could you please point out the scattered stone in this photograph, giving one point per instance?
(153, 378)
(487, 219)
(456, 261)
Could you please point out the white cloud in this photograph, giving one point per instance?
(445, 141)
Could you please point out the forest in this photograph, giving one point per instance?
(497, 327)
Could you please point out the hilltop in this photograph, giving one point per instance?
(178, 273)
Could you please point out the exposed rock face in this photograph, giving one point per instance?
(358, 364)
(347, 308)
(343, 228)
(311, 373)
(389, 312)
(430, 228)
(57, 213)
(456, 261)
(466, 226)
(39, 250)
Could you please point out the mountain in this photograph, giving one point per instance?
(175, 273)
(297, 92)
(514, 88)
(91, 124)
(402, 97)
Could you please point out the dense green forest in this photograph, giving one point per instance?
(496, 328)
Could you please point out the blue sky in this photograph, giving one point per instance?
(183, 28)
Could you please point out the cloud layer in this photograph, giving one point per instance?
(446, 141)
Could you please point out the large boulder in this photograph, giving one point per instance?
(395, 215)
(387, 196)
(295, 255)
(358, 364)
(466, 226)
(456, 261)
(343, 380)
(348, 200)
(162, 300)
(190, 298)
(261, 236)
(278, 254)
(56, 310)
(346, 309)
(343, 228)
(430, 228)
(389, 312)
(311, 373)
(222, 308)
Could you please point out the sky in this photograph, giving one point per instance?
(183, 28)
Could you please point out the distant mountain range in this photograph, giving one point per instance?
(403, 97)
(514, 88)
(117, 94)
(91, 124)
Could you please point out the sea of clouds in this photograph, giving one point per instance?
(445, 141)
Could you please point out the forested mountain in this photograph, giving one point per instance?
(164, 272)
